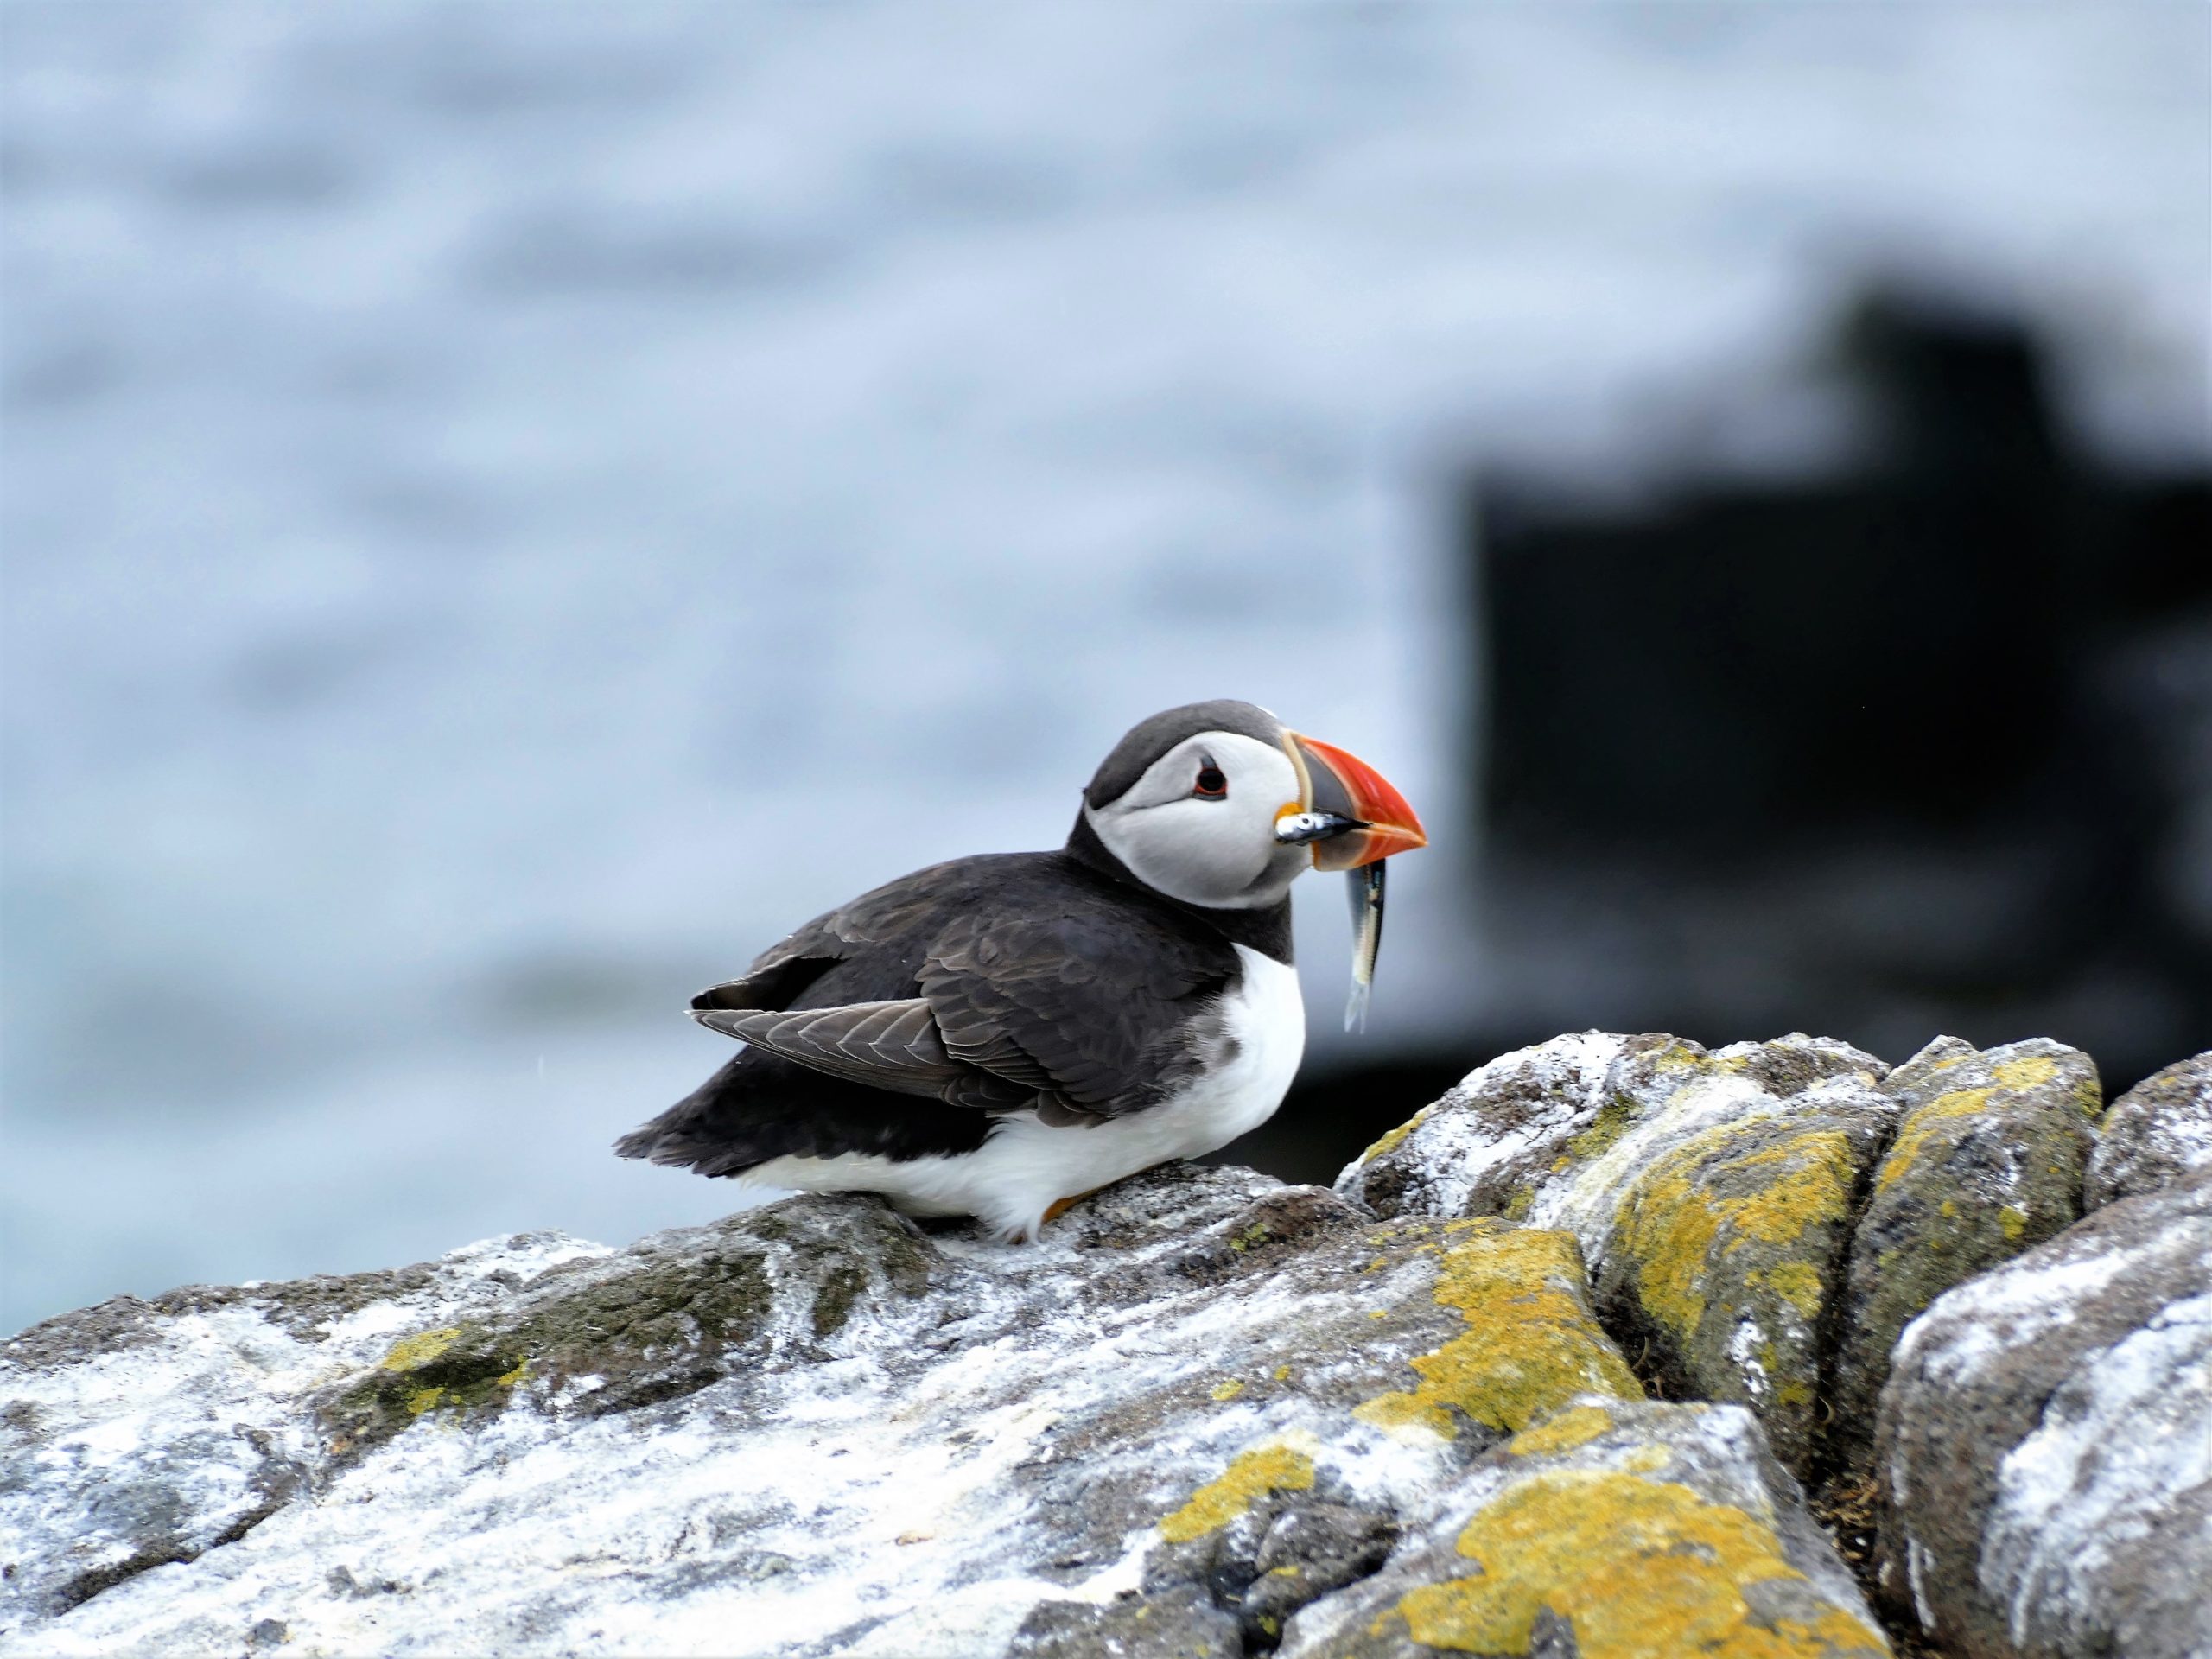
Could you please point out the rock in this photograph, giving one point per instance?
(1202, 1404)
(137, 1434)
(1211, 1414)
(1607, 1529)
(1710, 1192)
(1986, 1162)
(2045, 1444)
(1296, 1513)
(2157, 1132)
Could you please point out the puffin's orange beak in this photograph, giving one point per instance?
(1337, 782)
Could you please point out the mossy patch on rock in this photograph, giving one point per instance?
(1532, 1341)
(1562, 1431)
(661, 1320)
(1612, 1122)
(1391, 1140)
(1711, 1193)
(1249, 1475)
(1633, 1566)
(1611, 1530)
(1988, 1161)
(1727, 1249)
(455, 1368)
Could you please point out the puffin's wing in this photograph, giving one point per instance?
(1100, 1012)
(892, 1046)
(874, 942)
(779, 975)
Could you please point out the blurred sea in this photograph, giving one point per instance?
(508, 509)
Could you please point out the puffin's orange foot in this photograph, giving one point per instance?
(1059, 1207)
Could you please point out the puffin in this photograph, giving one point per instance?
(1000, 1035)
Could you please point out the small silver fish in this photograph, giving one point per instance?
(1296, 829)
(1365, 888)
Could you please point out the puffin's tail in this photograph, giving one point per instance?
(688, 1136)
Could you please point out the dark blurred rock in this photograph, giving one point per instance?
(1869, 751)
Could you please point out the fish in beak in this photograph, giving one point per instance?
(1353, 819)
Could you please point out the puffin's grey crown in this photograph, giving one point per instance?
(1150, 739)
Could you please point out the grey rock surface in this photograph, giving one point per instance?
(810, 1429)
(2155, 1133)
(1986, 1161)
(2045, 1444)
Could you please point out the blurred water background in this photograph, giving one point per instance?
(510, 508)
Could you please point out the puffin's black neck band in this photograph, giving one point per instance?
(1266, 930)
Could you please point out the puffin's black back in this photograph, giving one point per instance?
(1085, 979)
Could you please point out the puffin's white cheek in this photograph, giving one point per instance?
(1213, 846)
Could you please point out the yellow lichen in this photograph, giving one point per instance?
(1641, 1569)
(422, 1400)
(1912, 1139)
(1228, 1390)
(1671, 1225)
(2024, 1073)
(1645, 1459)
(1813, 1185)
(1517, 1203)
(1615, 1118)
(2013, 1220)
(1576, 1425)
(1530, 1346)
(1798, 1283)
(1283, 1373)
(1250, 1475)
(420, 1349)
(1396, 1138)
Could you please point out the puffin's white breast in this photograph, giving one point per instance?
(1026, 1166)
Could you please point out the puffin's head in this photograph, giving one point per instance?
(1219, 804)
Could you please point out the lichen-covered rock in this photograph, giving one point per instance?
(1294, 1507)
(136, 1434)
(1986, 1162)
(662, 1319)
(1201, 1403)
(1607, 1531)
(1209, 1414)
(2157, 1132)
(2045, 1444)
(1710, 1192)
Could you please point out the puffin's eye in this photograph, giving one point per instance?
(1213, 783)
